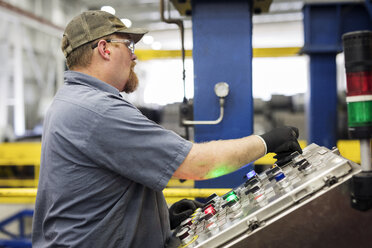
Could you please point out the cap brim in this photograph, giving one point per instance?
(135, 33)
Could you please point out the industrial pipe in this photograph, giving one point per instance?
(180, 25)
(190, 123)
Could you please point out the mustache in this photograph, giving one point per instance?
(132, 65)
(132, 82)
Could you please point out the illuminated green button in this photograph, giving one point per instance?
(225, 196)
(232, 197)
(359, 113)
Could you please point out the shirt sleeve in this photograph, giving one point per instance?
(126, 142)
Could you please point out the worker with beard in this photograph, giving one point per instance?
(104, 164)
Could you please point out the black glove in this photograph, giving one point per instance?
(285, 157)
(181, 210)
(282, 141)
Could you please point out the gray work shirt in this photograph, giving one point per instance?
(103, 168)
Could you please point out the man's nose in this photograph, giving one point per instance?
(134, 56)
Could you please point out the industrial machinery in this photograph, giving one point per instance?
(234, 219)
(358, 64)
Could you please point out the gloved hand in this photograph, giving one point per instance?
(282, 141)
(181, 210)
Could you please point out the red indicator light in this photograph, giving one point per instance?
(210, 210)
(359, 83)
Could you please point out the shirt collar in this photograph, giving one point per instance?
(74, 77)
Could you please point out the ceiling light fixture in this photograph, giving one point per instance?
(127, 22)
(148, 39)
(108, 9)
(156, 45)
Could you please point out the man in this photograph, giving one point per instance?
(103, 164)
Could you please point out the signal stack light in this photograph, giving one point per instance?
(358, 64)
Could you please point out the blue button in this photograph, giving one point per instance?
(251, 174)
(279, 176)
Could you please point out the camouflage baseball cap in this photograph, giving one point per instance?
(92, 25)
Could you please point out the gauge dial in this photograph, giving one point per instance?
(221, 89)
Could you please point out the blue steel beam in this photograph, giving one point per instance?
(222, 51)
(322, 111)
(368, 4)
(324, 25)
(17, 240)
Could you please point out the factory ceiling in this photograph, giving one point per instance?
(146, 13)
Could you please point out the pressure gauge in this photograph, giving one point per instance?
(221, 89)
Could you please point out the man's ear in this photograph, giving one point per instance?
(103, 50)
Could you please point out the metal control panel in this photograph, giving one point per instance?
(264, 197)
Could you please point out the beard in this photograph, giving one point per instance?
(132, 82)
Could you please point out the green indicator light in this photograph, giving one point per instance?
(359, 113)
(219, 171)
(225, 196)
(232, 197)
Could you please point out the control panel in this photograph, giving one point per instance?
(264, 196)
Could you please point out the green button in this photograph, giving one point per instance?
(359, 113)
(232, 197)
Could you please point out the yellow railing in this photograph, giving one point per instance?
(257, 52)
(21, 154)
(20, 195)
